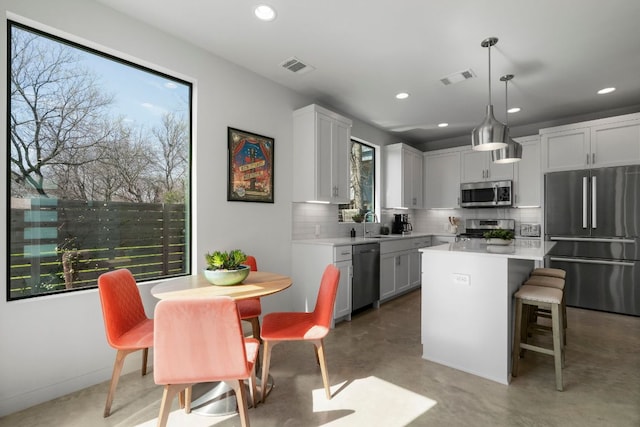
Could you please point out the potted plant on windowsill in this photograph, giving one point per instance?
(226, 268)
(499, 236)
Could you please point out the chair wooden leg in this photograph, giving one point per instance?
(255, 327)
(516, 339)
(145, 356)
(266, 358)
(252, 387)
(168, 394)
(187, 399)
(323, 367)
(557, 343)
(241, 399)
(115, 376)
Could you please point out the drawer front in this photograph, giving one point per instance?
(342, 253)
(399, 245)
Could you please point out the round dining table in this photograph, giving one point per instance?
(218, 398)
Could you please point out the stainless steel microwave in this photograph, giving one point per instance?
(487, 194)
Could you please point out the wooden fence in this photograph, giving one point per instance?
(58, 245)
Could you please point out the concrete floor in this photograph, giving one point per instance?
(379, 379)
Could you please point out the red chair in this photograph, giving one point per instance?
(200, 340)
(299, 326)
(127, 326)
(250, 309)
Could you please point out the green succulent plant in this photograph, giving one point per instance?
(220, 260)
(499, 233)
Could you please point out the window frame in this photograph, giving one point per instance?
(375, 175)
(105, 53)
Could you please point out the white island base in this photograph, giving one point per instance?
(467, 307)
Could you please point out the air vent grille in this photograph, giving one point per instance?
(295, 65)
(458, 77)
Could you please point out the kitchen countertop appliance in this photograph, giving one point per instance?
(594, 218)
(475, 228)
(401, 224)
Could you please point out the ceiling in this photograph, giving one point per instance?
(366, 51)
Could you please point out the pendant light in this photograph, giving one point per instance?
(513, 151)
(490, 134)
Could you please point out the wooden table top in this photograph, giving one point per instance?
(257, 284)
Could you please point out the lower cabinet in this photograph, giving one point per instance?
(308, 263)
(400, 266)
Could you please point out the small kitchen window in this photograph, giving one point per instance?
(362, 182)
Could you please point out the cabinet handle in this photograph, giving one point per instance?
(593, 158)
(587, 158)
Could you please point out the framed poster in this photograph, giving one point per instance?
(250, 167)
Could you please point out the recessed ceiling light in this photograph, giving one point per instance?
(513, 110)
(443, 125)
(265, 13)
(402, 95)
(606, 90)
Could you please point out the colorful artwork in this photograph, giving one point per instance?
(250, 167)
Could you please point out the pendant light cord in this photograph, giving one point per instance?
(506, 103)
(489, 52)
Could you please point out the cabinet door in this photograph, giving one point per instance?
(416, 180)
(615, 144)
(343, 296)
(565, 150)
(528, 178)
(474, 166)
(415, 269)
(442, 180)
(498, 171)
(402, 271)
(325, 189)
(387, 276)
(341, 174)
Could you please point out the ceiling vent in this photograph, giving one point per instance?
(458, 77)
(295, 65)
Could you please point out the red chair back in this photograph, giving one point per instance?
(323, 312)
(122, 307)
(251, 262)
(198, 340)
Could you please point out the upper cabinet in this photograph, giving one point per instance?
(477, 166)
(599, 143)
(527, 180)
(442, 179)
(403, 176)
(321, 141)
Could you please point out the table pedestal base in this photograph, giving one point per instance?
(218, 399)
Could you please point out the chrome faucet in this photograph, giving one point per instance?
(364, 222)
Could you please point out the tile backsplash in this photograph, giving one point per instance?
(312, 220)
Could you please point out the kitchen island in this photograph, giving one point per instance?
(467, 303)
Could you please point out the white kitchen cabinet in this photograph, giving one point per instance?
(442, 179)
(400, 266)
(527, 180)
(477, 166)
(321, 144)
(309, 261)
(403, 176)
(613, 141)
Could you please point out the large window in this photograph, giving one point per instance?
(99, 167)
(363, 180)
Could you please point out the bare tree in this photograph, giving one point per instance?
(172, 160)
(356, 176)
(57, 111)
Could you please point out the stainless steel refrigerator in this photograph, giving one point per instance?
(594, 218)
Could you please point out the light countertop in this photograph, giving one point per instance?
(519, 248)
(359, 240)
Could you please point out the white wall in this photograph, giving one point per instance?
(54, 345)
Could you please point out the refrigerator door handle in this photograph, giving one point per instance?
(592, 261)
(593, 202)
(584, 202)
(590, 239)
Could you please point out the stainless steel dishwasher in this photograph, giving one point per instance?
(365, 285)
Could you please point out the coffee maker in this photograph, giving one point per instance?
(401, 224)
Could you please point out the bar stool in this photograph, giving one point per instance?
(551, 272)
(542, 298)
(551, 278)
